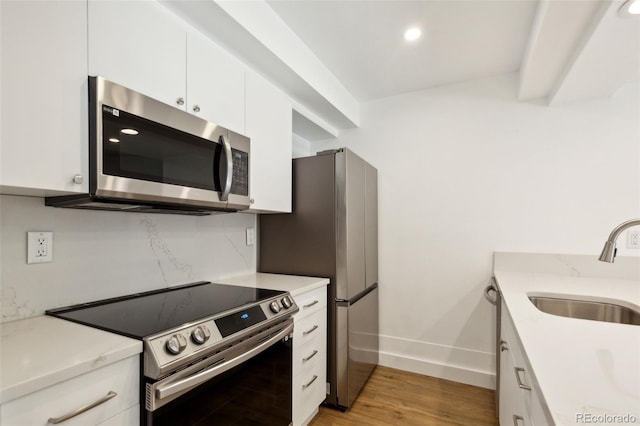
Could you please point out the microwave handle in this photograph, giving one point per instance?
(226, 168)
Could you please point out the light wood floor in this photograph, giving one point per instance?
(395, 397)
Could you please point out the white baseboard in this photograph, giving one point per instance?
(446, 362)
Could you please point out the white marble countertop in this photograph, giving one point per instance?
(41, 351)
(580, 366)
(294, 284)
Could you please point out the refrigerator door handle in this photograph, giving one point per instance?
(345, 303)
(362, 294)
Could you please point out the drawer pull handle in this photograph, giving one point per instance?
(517, 419)
(308, 305)
(520, 384)
(310, 382)
(311, 330)
(315, 352)
(56, 420)
(503, 345)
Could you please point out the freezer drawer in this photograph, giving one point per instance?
(357, 344)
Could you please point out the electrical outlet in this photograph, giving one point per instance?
(251, 236)
(633, 239)
(39, 247)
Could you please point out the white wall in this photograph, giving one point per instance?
(301, 146)
(101, 254)
(466, 170)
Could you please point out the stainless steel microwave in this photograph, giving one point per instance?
(145, 155)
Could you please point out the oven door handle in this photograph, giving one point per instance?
(168, 390)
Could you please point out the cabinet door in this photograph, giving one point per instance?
(140, 45)
(268, 124)
(215, 89)
(44, 96)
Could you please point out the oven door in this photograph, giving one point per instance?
(248, 383)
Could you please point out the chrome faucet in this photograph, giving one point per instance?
(609, 249)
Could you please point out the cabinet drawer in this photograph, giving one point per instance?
(315, 366)
(37, 408)
(309, 355)
(310, 328)
(312, 392)
(311, 301)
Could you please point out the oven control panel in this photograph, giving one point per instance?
(162, 350)
(172, 349)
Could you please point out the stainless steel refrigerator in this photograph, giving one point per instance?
(333, 233)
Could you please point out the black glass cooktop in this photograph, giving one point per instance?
(143, 314)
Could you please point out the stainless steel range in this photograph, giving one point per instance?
(213, 353)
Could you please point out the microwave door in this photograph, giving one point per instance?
(144, 160)
(146, 153)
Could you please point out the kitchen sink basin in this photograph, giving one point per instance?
(589, 310)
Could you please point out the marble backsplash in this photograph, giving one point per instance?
(102, 254)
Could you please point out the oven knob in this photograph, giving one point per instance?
(286, 302)
(200, 335)
(176, 344)
(275, 307)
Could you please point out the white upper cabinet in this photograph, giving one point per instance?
(50, 47)
(268, 124)
(143, 46)
(139, 45)
(215, 83)
(43, 137)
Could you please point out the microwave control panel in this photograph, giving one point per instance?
(240, 182)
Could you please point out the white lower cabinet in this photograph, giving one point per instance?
(42, 407)
(520, 404)
(309, 355)
(512, 408)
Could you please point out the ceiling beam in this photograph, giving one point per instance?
(254, 33)
(607, 58)
(557, 31)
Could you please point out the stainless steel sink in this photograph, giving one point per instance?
(589, 310)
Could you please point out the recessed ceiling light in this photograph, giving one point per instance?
(631, 8)
(129, 131)
(114, 140)
(412, 34)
